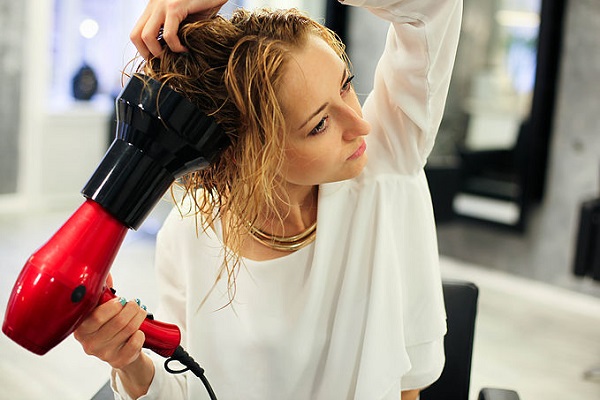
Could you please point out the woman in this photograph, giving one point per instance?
(269, 307)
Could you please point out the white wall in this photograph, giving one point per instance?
(60, 143)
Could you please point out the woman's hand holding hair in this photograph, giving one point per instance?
(168, 14)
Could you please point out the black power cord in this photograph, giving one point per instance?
(184, 358)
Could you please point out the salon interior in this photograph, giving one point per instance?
(514, 176)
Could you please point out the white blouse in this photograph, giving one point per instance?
(359, 313)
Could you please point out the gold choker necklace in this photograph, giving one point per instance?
(285, 243)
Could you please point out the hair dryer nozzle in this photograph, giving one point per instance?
(160, 136)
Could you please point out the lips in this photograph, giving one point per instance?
(359, 152)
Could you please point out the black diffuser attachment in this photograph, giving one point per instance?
(160, 136)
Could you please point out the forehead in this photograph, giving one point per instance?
(308, 77)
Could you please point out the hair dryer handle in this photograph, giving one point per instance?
(161, 338)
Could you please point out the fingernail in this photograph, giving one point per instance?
(123, 301)
(138, 302)
(144, 307)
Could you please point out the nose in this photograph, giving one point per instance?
(354, 125)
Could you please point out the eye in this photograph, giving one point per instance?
(347, 84)
(321, 126)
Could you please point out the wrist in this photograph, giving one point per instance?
(137, 376)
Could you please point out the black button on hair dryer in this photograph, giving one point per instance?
(160, 136)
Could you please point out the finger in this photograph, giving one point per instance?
(129, 351)
(99, 317)
(103, 341)
(139, 315)
(117, 328)
(136, 34)
(126, 345)
(92, 333)
(106, 341)
(170, 28)
(150, 33)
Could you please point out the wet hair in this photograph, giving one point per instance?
(232, 71)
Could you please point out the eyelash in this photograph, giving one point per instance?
(347, 85)
(322, 125)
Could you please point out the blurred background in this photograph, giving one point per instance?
(515, 174)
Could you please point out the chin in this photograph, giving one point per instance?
(353, 172)
(360, 167)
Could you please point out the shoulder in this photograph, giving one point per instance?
(177, 223)
(185, 225)
(187, 211)
(182, 245)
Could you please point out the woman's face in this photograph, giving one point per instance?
(326, 130)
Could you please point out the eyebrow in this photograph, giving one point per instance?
(320, 109)
(314, 115)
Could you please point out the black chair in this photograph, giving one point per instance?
(461, 309)
(454, 383)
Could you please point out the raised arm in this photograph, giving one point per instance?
(411, 79)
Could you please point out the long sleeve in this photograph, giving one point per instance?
(411, 80)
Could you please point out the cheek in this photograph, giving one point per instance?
(308, 167)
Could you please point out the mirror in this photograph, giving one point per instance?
(489, 163)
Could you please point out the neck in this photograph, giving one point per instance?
(298, 215)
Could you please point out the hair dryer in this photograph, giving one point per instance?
(160, 136)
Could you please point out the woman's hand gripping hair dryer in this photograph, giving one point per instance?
(160, 136)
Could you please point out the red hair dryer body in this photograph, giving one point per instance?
(160, 136)
(63, 282)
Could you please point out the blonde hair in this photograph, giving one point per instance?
(232, 71)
